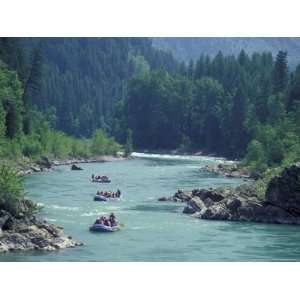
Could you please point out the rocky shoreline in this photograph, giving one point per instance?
(45, 164)
(281, 204)
(230, 170)
(25, 233)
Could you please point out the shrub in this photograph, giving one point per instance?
(31, 147)
(11, 189)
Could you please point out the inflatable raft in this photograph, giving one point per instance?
(103, 198)
(104, 228)
(101, 180)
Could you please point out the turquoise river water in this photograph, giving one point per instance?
(154, 231)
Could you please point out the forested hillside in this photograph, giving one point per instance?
(237, 107)
(83, 77)
(25, 132)
(187, 48)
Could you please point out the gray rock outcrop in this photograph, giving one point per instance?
(30, 233)
(281, 204)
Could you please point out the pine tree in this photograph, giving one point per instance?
(11, 120)
(281, 72)
(294, 94)
(33, 83)
(238, 117)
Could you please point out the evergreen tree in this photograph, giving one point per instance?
(239, 134)
(281, 72)
(294, 93)
(11, 120)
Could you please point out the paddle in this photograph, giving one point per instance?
(122, 225)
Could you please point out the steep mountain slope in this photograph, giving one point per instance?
(186, 48)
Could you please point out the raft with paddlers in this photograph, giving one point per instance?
(100, 179)
(104, 228)
(108, 196)
(104, 224)
(103, 198)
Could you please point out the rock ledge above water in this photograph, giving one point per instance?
(30, 233)
(281, 204)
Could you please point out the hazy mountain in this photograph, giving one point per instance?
(186, 48)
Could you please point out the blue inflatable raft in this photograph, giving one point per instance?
(104, 228)
(103, 198)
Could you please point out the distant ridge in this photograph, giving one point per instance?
(187, 48)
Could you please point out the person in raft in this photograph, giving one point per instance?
(113, 220)
(100, 220)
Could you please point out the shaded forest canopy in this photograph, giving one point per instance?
(239, 106)
(83, 77)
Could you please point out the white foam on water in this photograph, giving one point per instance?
(51, 220)
(200, 158)
(92, 213)
(64, 207)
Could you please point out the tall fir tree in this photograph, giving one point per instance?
(280, 73)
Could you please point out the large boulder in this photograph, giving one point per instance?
(182, 196)
(219, 211)
(45, 162)
(193, 205)
(215, 195)
(283, 191)
(188, 210)
(4, 217)
(76, 168)
(33, 234)
(233, 203)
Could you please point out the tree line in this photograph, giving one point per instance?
(238, 107)
(123, 89)
(83, 77)
(26, 131)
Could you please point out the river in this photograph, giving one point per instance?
(154, 231)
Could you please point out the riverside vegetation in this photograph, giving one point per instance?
(27, 138)
(83, 98)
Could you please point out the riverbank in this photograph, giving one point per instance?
(27, 232)
(24, 232)
(280, 205)
(229, 169)
(26, 167)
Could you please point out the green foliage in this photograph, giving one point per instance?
(11, 189)
(243, 106)
(281, 73)
(265, 178)
(83, 77)
(140, 65)
(10, 102)
(102, 145)
(31, 146)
